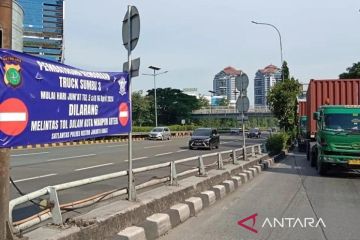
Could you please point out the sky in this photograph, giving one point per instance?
(195, 39)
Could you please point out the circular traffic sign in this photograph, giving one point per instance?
(243, 104)
(13, 116)
(242, 82)
(135, 28)
(124, 114)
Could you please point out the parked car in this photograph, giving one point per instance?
(254, 133)
(160, 133)
(204, 138)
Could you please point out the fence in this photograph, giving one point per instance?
(54, 210)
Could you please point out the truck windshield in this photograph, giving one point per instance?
(303, 122)
(341, 122)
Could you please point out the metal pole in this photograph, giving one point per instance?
(281, 51)
(243, 125)
(6, 27)
(4, 191)
(156, 122)
(131, 187)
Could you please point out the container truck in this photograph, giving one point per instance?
(333, 114)
(302, 125)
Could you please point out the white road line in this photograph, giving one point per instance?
(26, 154)
(155, 146)
(184, 150)
(57, 159)
(96, 166)
(224, 142)
(117, 145)
(32, 178)
(139, 158)
(162, 154)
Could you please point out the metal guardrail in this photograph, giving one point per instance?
(225, 110)
(54, 210)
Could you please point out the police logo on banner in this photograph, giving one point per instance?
(122, 84)
(12, 76)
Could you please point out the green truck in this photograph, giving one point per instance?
(337, 138)
(302, 134)
(333, 124)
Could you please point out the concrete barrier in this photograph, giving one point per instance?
(208, 198)
(131, 233)
(178, 213)
(236, 180)
(156, 225)
(195, 204)
(229, 186)
(104, 222)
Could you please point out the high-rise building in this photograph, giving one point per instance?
(264, 80)
(43, 28)
(224, 84)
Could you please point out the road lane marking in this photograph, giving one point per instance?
(91, 167)
(117, 145)
(162, 154)
(26, 154)
(155, 146)
(33, 178)
(184, 150)
(139, 158)
(80, 156)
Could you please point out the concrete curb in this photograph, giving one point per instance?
(156, 211)
(208, 198)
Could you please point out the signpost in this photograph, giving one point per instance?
(130, 35)
(242, 103)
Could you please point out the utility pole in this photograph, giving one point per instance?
(6, 31)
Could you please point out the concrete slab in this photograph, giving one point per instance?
(178, 213)
(236, 180)
(244, 177)
(208, 198)
(195, 205)
(219, 190)
(131, 233)
(229, 185)
(156, 225)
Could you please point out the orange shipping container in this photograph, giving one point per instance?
(331, 92)
(302, 108)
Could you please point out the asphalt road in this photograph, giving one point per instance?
(291, 189)
(34, 169)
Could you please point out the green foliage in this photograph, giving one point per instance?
(285, 70)
(352, 72)
(224, 102)
(141, 114)
(282, 102)
(173, 105)
(203, 102)
(277, 142)
(173, 128)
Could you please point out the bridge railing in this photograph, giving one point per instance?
(225, 110)
(54, 210)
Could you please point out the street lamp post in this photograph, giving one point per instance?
(154, 75)
(212, 94)
(281, 51)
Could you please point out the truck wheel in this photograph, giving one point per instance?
(313, 158)
(321, 167)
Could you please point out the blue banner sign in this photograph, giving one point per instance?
(44, 102)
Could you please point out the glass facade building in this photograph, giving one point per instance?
(264, 80)
(43, 28)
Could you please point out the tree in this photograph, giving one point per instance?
(224, 102)
(203, 102)
(352, 72)
(282, 102)
(285, 70)
(141, 109)
(173, 105)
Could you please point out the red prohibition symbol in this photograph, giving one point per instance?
(124, 114)
(13, 116)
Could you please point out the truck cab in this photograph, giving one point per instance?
(337, 137)
(302, 134)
